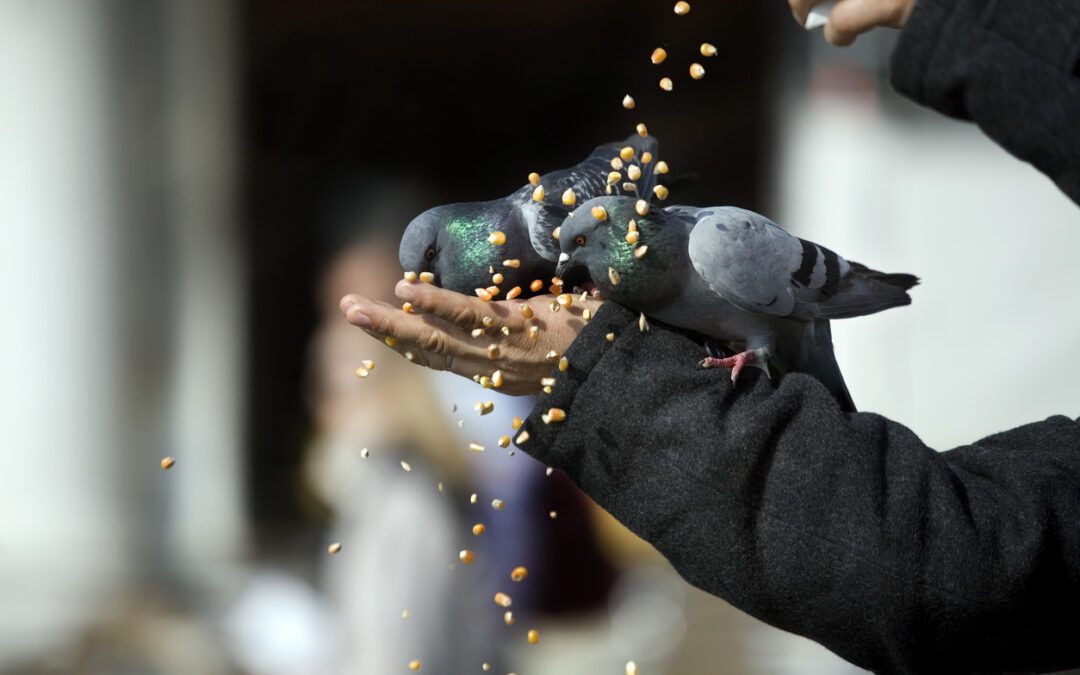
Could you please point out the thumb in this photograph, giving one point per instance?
(850, 18)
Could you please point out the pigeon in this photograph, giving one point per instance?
(461, 246)
(732, 275)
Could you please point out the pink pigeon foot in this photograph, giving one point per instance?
(736, 363)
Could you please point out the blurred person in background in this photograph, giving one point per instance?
(845, 528)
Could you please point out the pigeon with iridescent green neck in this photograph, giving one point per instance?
(459, 243)
(732, 275)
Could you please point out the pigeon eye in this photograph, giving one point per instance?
(579, 240)
(430, 253)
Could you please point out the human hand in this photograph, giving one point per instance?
(439, 332)
(850, 18)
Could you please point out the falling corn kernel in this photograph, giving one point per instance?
(367, 363)
(497, 379)
(407, 307)
(631, 668)
(492, 290)
(538, 193)
(522, 438)
(629, 187)
(477, 332)
(613, 276)
(512, 262)
(547, 381)
(555, 233)
(427, 277)
(405, 614)
(503, 600)
(697, 71)
(516, 423)
(682, 7)
(497, 238)
(641, 129)
(661, 167)
(553, 415)
(658, 55)
(536, 285)
(440, 487)
(493, 351)
(414, 665)
(568, 197)
(533, 636)
(478, 529)
(534, 332)
(666, 84)
(610, 337)
(519, 573)
(633, 172)
(466, 556)
(628, 102)
(473, 498)
(586, 315)
(552, 356)
(485, 667)
(643, 323)
(167, 463)
(632, 238)
(660, 191)
(627, 153)
(513, 292)
(526, 311)
(405, 465)
(408, 356)
(362, 372)
(599, 212)
(534, 178)
(564, 364)
(390, 340)
(504, 441)
(708, 49)
(555, 306)
(553, 514)
(646, 157)
(508, 618)
(613, 177)
(497, 504)
(640, 252)
(364, 453)
(617, 163)
(641, 207)
(497, 279)
(487, 321)
(410, 276)
(483, 294)
(476, 447)
(484, 408)
(547, 389)
(334, 548)
(565, 300)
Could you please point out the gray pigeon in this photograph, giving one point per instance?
(732, 275)
(452, 241)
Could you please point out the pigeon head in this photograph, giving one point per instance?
(639, 273)
(454, 242)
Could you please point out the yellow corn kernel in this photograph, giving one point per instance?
(661, 167)
(427, 277)
(628, 102)
(568, 197)
(406, 466)
(643, 323)
(666, 84)
(362, 372)
(613, 276)
(631, 668)
(493, 351)
(522, 438)
(708, 49)
(519, 573)
(334, 548)
(497, 238)
(484, 408)
(564, 364)
(640, 252)
(553, 415)
(617, 163)
(367, 363)
(627, 153)
(610, 337)
(526, 311)
(538, 193)
(697, 71)
(633, 172)
(632, 237)
(661, 192)
(504, 441)
(534, 332)
(496, 278)
(534, 178)
(658, 55)
(407, 307)
(536, 285)
(641, 207)
(516, 423)
(410, 276)
(599, 212)
(390, 340)
(484, 381)
(553, 514)
(565, 300)
(497, 379)
(646, 157)
(613, 177)
(483, 294)
(497, 504)
(512, 262)
(503, 600)
(414, 665)
(513, 292)
(533, 636)
(508, 618)
(466, 556)
(586, 315)
(641, 129)
(682, 7)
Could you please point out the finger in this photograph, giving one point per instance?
(412, 332)
(849, 18)
(460, 310)
(800, 9)
(837, 38)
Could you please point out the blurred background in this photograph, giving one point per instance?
(187, 188)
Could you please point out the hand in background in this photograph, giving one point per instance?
(851, 18)
(442, 324)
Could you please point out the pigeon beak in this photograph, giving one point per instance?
(564, 258)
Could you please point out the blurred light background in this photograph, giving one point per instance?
(187, 187)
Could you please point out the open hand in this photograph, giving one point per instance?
(439, 332)
(850, 18)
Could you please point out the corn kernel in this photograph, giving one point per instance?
(632, 238)
(658, 55)
(483, 294)
(504, 441)
(522, 438)
(334, 549)
(646, 157)
(627, 153)
(613, 276)
(552, 356)
(599, 212)
(534, 178)
(538, 193)
(547, 381)
(666, 84)
(555, 306)
(641, 129)
(682, 7)
(534, 332)
(610, 337)
(519, 573)
(631, 668)
(493, 351)
(616, 163)
(556, 232)
(565, 300)
(554, 415)
(503, 600)
(629, 187)
(414, 665)
(513, 292)
(367, 363)
(407, 307)
(697, 71)
(643, 323)
(508, 618)
(405, 614)
(427, 277)
(406, 466)
(613, 177)
(633, 172)
(362, 372)
(473, 498)
(564, 364)
(497, 379)
(364, 453)
(640, 252)
(516, 423)
(661, 192)
(512, 262)
(410, 276)
(536, 285)
(628, 102)
(477, 332)
(533, 636)
(641, 207)
(497, 238)
(586, 315)
(497, 504)
(390, 340)
(568, 197)
(708, 49)
(167, 463)
(661, 167)
(478, 529)
(487, 321)
(526, 311)
(553, 514)
(466, 556)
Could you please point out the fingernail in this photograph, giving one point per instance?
(357, 317)
(406, 292)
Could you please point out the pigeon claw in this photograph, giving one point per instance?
(736, 363)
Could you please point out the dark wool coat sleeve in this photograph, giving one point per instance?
(843, 527)
(1011, 66)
